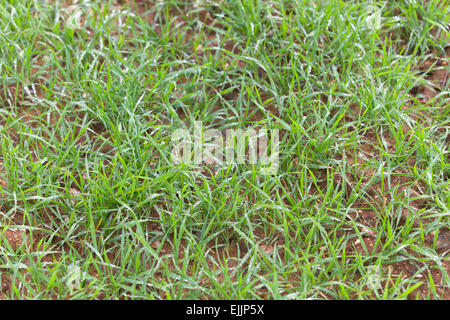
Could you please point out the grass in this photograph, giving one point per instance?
(92, 207)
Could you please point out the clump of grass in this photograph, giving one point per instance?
(92, 206)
